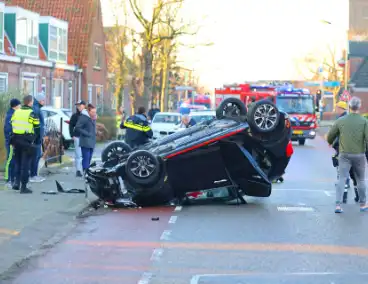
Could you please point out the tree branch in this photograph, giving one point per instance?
(138, 13)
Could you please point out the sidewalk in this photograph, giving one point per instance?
(28, 222)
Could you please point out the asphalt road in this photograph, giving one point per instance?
(293, 237)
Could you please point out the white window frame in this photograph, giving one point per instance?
(102, 93)
(44, 85)
(61, 92)
(94, 55)
(70, 94)
(60, 26)
(90, 93)
(30, 16)
(30, 76)
(2, 10)
(4, 76)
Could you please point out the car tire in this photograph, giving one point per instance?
(113, 149)
(301, 142)
(151, 168)
(263, 110)
(232, 108)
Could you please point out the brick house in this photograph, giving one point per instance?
(71, 33)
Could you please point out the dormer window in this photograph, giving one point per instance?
(54, 38)
(22, 28)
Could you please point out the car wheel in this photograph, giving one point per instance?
(301, 142)
(114, 150)
(263, 116)
(143, 168)
(231, 108)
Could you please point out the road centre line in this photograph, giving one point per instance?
(173, 219)
(178, 208)
(165, 235)
(280, 247)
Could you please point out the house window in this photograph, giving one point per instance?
(97, 55)
(57, 93)
(58, 44)
(99, 97)
(90, 92)
(29, 85)
(43, 85)
(3, 82)
(70, 94)
(27, 37)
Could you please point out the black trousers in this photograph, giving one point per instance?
(23, 157)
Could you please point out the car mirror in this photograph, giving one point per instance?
(317, 109)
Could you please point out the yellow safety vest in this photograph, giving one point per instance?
(135, 126)
(22, 122)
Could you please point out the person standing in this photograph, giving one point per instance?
(86, 128)
(342, 110)
(137, 127)
(26, 129)
(81, 105)
(352, 130)
(38, 103)
(187, 121)
(152, 112)
(10, 163)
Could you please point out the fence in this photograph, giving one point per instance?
(53, 147)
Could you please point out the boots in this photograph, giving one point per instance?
(345, 197)
(24, 189)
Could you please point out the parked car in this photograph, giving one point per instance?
(53, 116)
(239, 150)
(202, 115)
(165, 123)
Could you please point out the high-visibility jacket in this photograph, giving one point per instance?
(138, 130)
(24, 121)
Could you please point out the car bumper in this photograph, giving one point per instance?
(303, 134)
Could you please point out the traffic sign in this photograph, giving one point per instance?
(330, 84)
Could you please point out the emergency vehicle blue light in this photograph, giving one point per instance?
(261, 87)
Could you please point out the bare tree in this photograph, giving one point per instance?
(153, 34)
(331, 70)
(118, 38)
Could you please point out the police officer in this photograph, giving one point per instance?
(137, 127)
(26, 128)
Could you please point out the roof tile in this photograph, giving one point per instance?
(78, 13)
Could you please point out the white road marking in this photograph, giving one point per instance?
(165, 235)
(173, 219)
(295, 209)
(156, 254)
(302, 189)
(178, 208)
(328, 193)
(196, 278)
(146, 278)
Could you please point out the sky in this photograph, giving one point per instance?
(252, 39)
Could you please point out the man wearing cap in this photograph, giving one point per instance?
(341, 110)
(38, 103)
(10, 163)
(81, 105)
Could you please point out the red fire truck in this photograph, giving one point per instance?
(299, 104)
(245, 93)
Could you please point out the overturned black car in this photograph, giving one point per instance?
(242, 150)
